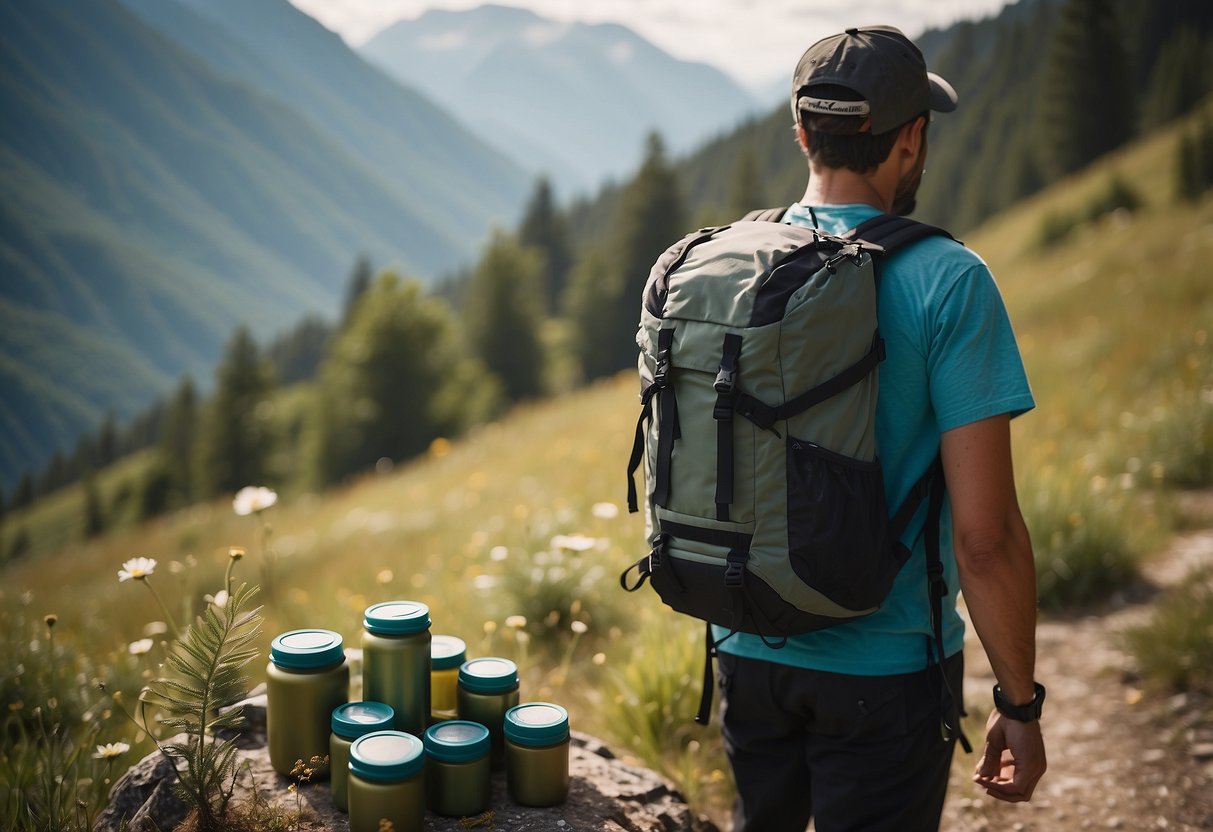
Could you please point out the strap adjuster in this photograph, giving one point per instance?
(734, 570)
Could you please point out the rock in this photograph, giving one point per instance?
(606, 794)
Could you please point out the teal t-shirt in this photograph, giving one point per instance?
(951, 360)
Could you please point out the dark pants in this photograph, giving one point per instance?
(854, 753)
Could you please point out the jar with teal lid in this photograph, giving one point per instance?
(387, 782)
(459, 779)
(396, 661)
(447, 654)
(537, 754)
(349, 722)
(488, 688)
(307, 677)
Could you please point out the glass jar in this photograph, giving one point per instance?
(349, 722)
(537, 754)
(447, 653)
(459, 778)
(396, 661)
(488, 688)
(307, 677)
(387, 782)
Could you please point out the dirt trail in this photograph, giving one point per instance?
(1118, 759)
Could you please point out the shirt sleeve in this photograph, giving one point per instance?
(974, 364)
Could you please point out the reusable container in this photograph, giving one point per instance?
(537, 754)
(306, 678)
(349, 722)
(459, 778)
(396, 661)
(387, 782)
(488, 688)
(447, 653)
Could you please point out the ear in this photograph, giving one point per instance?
(802, 138)
(909, 140)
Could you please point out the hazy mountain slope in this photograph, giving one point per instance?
(149, 204)
(574, 99)
(463, 184)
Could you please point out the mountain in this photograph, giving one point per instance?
(573, 100)
(155, 193)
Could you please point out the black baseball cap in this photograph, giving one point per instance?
(881, 66)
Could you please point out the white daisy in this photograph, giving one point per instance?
(137, 569)
(253, 499)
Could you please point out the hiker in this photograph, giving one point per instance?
(842, 724)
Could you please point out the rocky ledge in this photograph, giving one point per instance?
(607, 795)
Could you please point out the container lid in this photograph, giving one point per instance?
(489, 675)
(387, 756)
(457, 741)
(447, 652)
(307, 649)
(536, 724)
(353, 719)
(397, 618)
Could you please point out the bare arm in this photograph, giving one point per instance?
(998, 580)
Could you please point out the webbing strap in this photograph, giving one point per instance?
(765, 415)
(667, 425)
(638, 446)
(937, 589)
(726, 381)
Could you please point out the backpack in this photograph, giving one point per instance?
(766, 513)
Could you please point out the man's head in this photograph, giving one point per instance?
(853, 91)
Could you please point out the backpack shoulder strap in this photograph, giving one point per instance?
(765, 215)
(892, 232)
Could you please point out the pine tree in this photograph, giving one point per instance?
(545, 228)
(605, 302)
(502, 317)
(746, 190)
(178, 441)
(1087, 109)
(235, 444)
(360, 280)
(395, 380)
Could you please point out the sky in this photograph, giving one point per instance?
(756, 41)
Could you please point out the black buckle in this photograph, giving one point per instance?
(661, 372)
(734, 570)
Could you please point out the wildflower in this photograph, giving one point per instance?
(490, 627)
(599, 659)
(111, 750)
(516, 621)
(219, 599)
(50, 621)
(138, 648)
(498, 553)
(573, 542)
(155, 628)
(253, 499)
(235, 552)
(605, 511)
(579, 627)
(137, 569)
(384, 577)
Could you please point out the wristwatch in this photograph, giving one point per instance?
(1029, 712)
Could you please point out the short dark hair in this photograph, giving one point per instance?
(835, 141)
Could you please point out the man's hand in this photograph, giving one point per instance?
(1013, 760)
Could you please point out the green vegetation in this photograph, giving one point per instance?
(513, 534)
(1174, 649)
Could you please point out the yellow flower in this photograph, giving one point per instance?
(384, 577)
(235, 552)
(253, 499)
(516, 621)
(137, 569)
(111, 750)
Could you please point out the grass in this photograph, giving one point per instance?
(515, 535)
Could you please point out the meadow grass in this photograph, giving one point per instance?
(515, 535)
